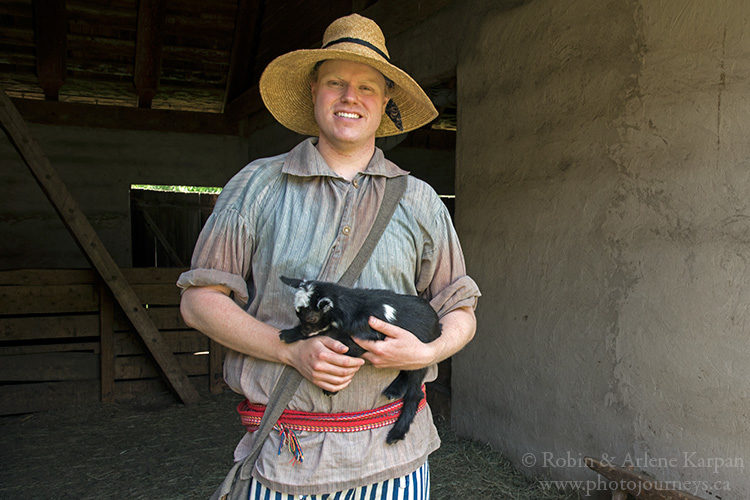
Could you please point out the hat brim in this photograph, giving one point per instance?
(285, 90)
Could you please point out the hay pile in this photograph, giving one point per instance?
(176, 451)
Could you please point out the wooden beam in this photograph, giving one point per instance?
(247, 28)
(48, 327)
(215, 367)
(106, 345)
(118, 117)
(152, 15)
(31, 299)
(27, 398)
(51, 29)
(248, 103)
(83, 233)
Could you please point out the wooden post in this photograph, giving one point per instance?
(148, 48)
(51, 27)
(85, 236)
(215, 367)
(106, 344)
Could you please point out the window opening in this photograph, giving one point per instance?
(165, 222)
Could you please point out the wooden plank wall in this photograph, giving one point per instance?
(64, 341)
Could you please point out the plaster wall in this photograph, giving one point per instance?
(603, 145)
(98, 166)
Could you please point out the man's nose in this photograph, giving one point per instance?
(349, 93)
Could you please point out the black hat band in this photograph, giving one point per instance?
(358, 41)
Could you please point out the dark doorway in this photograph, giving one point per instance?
(165, 225)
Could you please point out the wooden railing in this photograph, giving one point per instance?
(63, 340)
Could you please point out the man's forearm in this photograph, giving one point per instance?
(211, 311)
(321, 359)
(458, 328)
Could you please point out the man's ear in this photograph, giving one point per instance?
(313, 90)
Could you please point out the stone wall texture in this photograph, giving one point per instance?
(603, 201)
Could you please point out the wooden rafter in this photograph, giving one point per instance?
(51, 29)
(87, 239)
(244, 47)
(120, 117)
(148, 48)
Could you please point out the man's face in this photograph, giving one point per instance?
(349, 100)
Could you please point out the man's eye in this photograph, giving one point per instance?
(334, 83)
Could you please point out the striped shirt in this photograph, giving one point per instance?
(291, 215)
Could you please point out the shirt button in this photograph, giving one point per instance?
(355, 183)
(346, 230)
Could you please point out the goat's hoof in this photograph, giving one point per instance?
(392, 392)
(394, 435)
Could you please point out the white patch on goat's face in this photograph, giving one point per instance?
(317, 332)
(389, 312)
(302, 297)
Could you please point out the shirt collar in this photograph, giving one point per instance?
(305, 161)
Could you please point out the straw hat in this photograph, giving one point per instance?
(285, 83)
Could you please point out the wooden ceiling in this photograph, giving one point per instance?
(184, 55)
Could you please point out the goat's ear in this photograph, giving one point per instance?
(325, 304)
(292, 282)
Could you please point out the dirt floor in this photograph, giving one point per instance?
(174, 452)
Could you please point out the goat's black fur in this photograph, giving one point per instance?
(325, 308)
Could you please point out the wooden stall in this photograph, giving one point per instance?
(64, 340)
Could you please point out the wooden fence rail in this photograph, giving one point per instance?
(65, 341)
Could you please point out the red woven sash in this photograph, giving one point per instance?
(291, 421)
(251, 413)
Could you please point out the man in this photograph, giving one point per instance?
(305, 214)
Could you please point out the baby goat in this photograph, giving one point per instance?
(342, 313)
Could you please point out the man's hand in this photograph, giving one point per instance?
(401, 349)
(322, 361)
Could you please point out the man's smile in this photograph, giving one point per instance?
(345, 114)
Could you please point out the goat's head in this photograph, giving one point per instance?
(312, 305)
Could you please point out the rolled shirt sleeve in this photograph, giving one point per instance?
(442, 278)
(222, 254)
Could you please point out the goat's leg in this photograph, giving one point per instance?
(291, 334)
(397, 388)
(412, 397)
